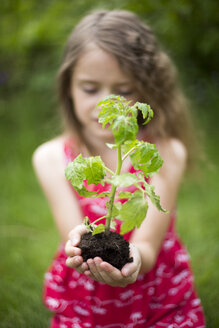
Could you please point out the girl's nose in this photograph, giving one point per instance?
(105, 93)
(101, 96)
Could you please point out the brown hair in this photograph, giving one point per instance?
(132, 42)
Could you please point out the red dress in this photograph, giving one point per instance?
(164, 297)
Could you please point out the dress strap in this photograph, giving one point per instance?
(70, 150)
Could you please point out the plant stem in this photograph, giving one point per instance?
(113, 190)
(128, 153)
(102, 217)
(108, 170)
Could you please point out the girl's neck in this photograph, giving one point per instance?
(94, 146)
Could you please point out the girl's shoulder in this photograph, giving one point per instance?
(169, 147)
(174, 154)
(173, 147)
(49, 155)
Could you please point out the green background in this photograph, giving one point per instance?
(33, 34)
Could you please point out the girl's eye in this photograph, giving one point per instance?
(90, 90)
(125, 92)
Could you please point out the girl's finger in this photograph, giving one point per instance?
(77, 263)
(112, 278)
(94, 269)
(111, 271)
(76, 233)
(82, 268)
(130, 268)
(74, 262)
(71, 250)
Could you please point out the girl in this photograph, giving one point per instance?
(113, 52)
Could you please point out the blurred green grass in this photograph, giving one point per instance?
(28, 237)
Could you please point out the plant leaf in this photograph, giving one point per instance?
(124, 195)
(123, 180)
(116, 209)
(86, 222)
(75, 172)
(98, 229)
(133, 212)
(113, 224)
(155, 199)
(107, 117)
(84, 192)
(94, 170)
(111, 146)
(80, 169)
(128, 145)
(146, 110)
(110, 109)
(124, 128)
(101, 194)
(144, 157)
(111, 99)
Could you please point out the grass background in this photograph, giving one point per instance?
(28, 117)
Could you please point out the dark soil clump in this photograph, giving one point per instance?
(111, 247)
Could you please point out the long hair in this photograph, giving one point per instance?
(122, 34)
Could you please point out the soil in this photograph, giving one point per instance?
(110, 247)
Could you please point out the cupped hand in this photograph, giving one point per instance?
(75, 260)
(104, 272)
(98, 269)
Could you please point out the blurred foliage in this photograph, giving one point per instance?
(33, 34)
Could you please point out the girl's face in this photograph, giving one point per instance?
(97, 74)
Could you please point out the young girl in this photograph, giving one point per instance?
(113, 52)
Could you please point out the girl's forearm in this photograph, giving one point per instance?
(148, 256)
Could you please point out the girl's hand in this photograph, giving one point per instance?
(104, 272)
(96, 268)
(75, 259)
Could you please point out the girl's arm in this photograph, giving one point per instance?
(146, 241)
(150, 236)
(49, 164)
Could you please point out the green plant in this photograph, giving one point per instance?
(117, 114)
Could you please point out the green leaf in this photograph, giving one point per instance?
(101, 194)
(123, 180)
(111, 99)
(144, 152)
(110, 109)
(144, 157)
(152, 166)
(146, 110)
(155, 164)
(111, 146)
(80, 169)
(124, 195)
(84, 192)
(116, 209)
(94, 170)
(124, 128)
(107, 117)
(86, 222)
(98, 229)
(75, 172)
(133, 212)
(113, 224)
(122, 118)
(128, 145)
(155, 199)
